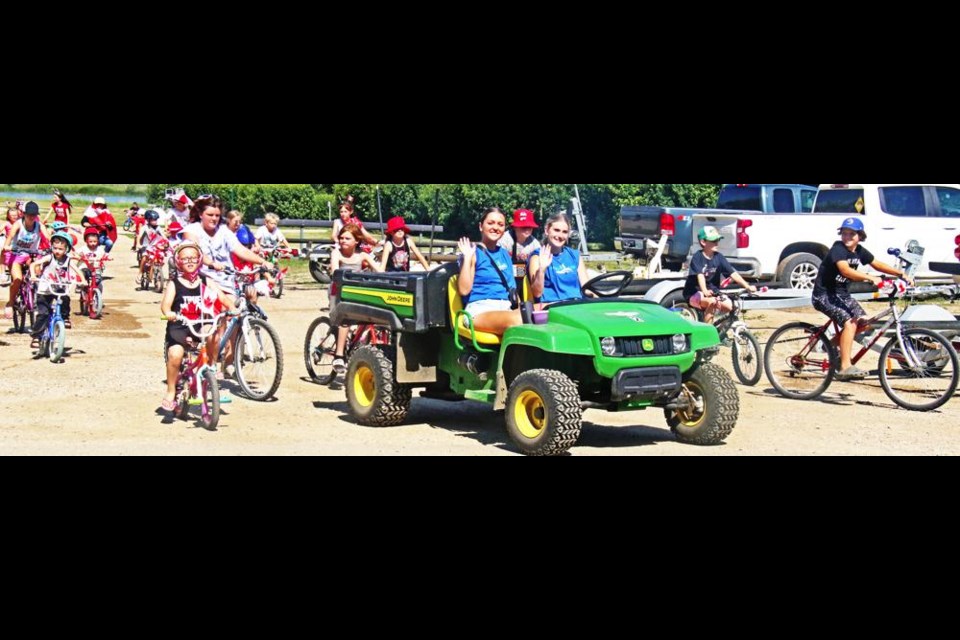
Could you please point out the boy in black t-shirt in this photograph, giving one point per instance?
(708, 268)
(830, 295)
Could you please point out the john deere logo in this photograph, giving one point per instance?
(647, 345)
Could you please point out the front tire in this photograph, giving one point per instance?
(58, 342)
(210, 397)
(376, 399)
(922, 388)
(319, 351)
(713, 411)
(544, 415)
(259, 360)
(747, 359)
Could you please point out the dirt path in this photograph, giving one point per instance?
(103, 400)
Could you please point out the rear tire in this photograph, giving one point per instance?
(799, 271)
(795, 371)
(375, 397)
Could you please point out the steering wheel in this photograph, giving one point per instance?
(592, 285)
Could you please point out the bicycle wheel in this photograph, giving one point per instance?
(128, 225)
(19, 316)
(747, 361)
(922, 374)
(278, 289)
(58, 342)
(258, 359)
(158, 279)
(319, 351)
(83, 303)
(798, 364)
(209, 400)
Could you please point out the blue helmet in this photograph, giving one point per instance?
(854, 224)
(66, 237)
(151, 216)
(58, 226)
(245, 236)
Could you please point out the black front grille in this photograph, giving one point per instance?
(662, 346)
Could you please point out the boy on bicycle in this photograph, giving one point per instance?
(708, 269)
(55, 267)
(830, 294)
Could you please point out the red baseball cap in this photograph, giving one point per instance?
(524, 219)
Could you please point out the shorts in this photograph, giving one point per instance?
(839, 307)
(177, 333)
(486, 306)
(11, 257)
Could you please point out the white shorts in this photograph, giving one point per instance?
(486, 306)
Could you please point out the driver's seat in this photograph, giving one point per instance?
(456, 306)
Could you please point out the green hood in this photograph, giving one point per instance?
(577, 329)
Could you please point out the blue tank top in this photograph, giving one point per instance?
(561, 280)
(487, 285)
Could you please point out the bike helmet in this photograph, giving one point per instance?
(66, 237)
(91, 232)
(151, 215)
(187, 244)
(245, 236)
(58, 226)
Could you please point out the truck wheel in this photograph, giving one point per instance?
(319, 273)
(714, 407)
(676, 302)
(799, 271)
(544, 414)
(376, 399)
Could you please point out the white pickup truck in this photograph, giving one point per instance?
(788, 248)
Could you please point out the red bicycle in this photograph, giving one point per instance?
(91, 291)
(153, 273)
(273, 256)
(320, 348)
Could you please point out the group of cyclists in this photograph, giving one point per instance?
(207, 245)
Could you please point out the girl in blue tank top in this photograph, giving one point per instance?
(483, 270)
(557, 272)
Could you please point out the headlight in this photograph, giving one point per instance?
(679, 343)
(608, 346)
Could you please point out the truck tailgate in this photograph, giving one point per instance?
(640, 222)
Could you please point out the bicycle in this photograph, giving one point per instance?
(257, 351)
(197, 381)
(273, 256)
(320, 347)
(91, 291)
(25, 306)
(54, 340)
(733, 331)
(918, 368)
(152, 276)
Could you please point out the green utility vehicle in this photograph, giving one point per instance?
(605, 353)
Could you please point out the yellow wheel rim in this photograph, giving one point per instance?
(364, 386)
(693, 417)
(530, 415)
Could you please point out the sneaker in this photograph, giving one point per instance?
(853, 373)
(67, 324)
(230, 371)
(339, 366)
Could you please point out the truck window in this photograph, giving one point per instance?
(807, 196)
(903, 201)
(746, 198)
(783, 201)
(949, 202)
(838, 201)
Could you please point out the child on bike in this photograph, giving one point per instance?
(400, 248)
(94, 253)
(13, 214)
(150, 239)
(830, 294)
(269, 235)
(349, 258)
(191, 295)
(56, 267)
(20, 247)
(708, 269)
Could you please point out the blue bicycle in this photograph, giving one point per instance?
(54, 339)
